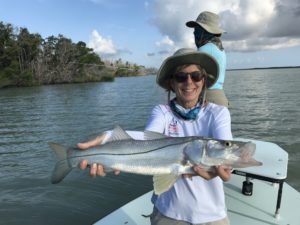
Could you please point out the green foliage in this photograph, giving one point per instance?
(27, 59)
(122, 72)
(126, 71)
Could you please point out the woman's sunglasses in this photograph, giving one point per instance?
(181, 77)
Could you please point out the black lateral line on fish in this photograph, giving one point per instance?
(136, 153)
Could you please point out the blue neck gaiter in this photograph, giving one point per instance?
(184, 113)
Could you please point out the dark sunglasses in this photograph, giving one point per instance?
(181, 77)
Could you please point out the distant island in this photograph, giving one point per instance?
(27, 59)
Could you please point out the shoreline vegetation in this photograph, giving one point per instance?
(27, 59)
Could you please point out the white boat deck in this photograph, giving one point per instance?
(257, 209)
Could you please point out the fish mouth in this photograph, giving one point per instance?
(251, 147)
(248, 151)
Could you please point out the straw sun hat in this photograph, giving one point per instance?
(187, 56)
(207, 20)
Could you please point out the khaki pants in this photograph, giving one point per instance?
(157, 218)
(217, 96)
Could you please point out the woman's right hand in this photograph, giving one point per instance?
(95, 169)
(222, 171)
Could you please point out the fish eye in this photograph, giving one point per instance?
(227, 143)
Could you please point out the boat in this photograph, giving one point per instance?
(254, 195)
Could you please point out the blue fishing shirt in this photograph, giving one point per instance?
(220, 56)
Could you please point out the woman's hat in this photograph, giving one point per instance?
(187, 56)
(209, 21)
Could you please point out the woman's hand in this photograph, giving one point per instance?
(222, 171)
(96, 169)
(202, 172)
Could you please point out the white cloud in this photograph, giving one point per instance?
(166, 41)
(170, 17)
(251, 25)
(101, 45)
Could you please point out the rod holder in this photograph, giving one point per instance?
(247, 187)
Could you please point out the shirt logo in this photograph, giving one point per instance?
(173, 128)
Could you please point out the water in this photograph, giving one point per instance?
(264, 105)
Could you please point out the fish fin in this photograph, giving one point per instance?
(118, 134)
(163, 183)
(62, 167)
(150, 135)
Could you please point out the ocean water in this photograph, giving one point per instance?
(264, 105)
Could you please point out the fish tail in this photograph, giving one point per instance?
(62, 167)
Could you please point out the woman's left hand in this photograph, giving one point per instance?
(96, 169)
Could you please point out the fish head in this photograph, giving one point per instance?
(211, 152)
(198, 150)
(237, 154)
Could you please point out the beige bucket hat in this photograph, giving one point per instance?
(187, 56)
(209, 21)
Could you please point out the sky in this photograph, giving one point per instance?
(259, 33)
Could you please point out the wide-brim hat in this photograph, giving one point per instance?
(185, 56)
(208, 21)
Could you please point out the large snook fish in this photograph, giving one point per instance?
(164, 157)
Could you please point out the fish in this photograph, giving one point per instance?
(165, 158)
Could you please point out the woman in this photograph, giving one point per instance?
(200, 199)
(207, 33)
